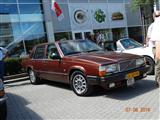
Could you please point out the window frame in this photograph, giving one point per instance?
(35, 52)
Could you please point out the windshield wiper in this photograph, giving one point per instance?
(92, 50)
(73, 53)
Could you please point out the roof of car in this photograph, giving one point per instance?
(59, 41)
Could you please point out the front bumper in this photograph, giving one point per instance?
(118, 79)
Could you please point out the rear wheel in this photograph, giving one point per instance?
(33, 78)
(79, 84)
(151, 64)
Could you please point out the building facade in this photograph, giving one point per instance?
(24, 23)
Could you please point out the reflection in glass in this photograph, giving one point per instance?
(8, 9)
(30, 28)
(5, 29)
(16, 49)
(4, 41)
(130, 43)
(8, 1)
(33, 40)
(10, 29)
(33, 8)
(30, 1)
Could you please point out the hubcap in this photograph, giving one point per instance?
(79, 84)
(32, 76)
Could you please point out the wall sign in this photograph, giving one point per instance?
(99, 16)
(117, 16)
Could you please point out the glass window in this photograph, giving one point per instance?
(75, 46)
(32, 28)
(32, 40)
(136, 33)
(16, 29)
(130, 44)
(116, 1)
(5, 40)
(63, 36)
(40, 52)
(8, 1)
(15, 49)
(8, 9)
(5, 29)
(33, 8)
(50, 50)
(30, 1)
(10, 29)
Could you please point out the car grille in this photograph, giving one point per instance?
(127, 65)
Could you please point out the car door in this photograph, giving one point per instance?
(53, 67)
(38, 61)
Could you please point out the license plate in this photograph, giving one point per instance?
(132, 75)
(130, 82)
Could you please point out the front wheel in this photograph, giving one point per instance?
(151, 64)
(79, 84)
(33, 78)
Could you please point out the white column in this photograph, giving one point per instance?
(48, 20)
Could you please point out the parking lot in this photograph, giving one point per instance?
(50, 101)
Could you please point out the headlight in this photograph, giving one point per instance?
(140, 61)
(108, 69)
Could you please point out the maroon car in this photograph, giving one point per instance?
(83, 64)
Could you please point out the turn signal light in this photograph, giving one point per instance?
(102, 73)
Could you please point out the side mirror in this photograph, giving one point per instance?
(54, 56)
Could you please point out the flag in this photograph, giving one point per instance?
(55, 7)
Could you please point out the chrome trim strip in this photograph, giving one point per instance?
(91, 76)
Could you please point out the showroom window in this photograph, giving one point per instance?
(33, 8)
(8, 9)
(30, 1)
(8, 1)
(32, 28)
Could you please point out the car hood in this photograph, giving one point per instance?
(104, 57)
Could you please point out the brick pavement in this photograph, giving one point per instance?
(52, 101)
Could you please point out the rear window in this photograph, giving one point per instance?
(39, 52)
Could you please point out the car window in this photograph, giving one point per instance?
(130, 43)
(78, 46)
(50, 50)
(39, 52)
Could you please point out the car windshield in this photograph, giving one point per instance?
(78, 46)
(130, 43)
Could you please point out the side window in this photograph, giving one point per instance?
(50, 50)
(40, 52)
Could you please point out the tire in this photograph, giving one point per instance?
(79, 84)
(151, 64)
(33, 78)
(3, 111)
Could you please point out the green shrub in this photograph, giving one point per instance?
(12, 66)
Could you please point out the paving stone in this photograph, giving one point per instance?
(51, 101)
